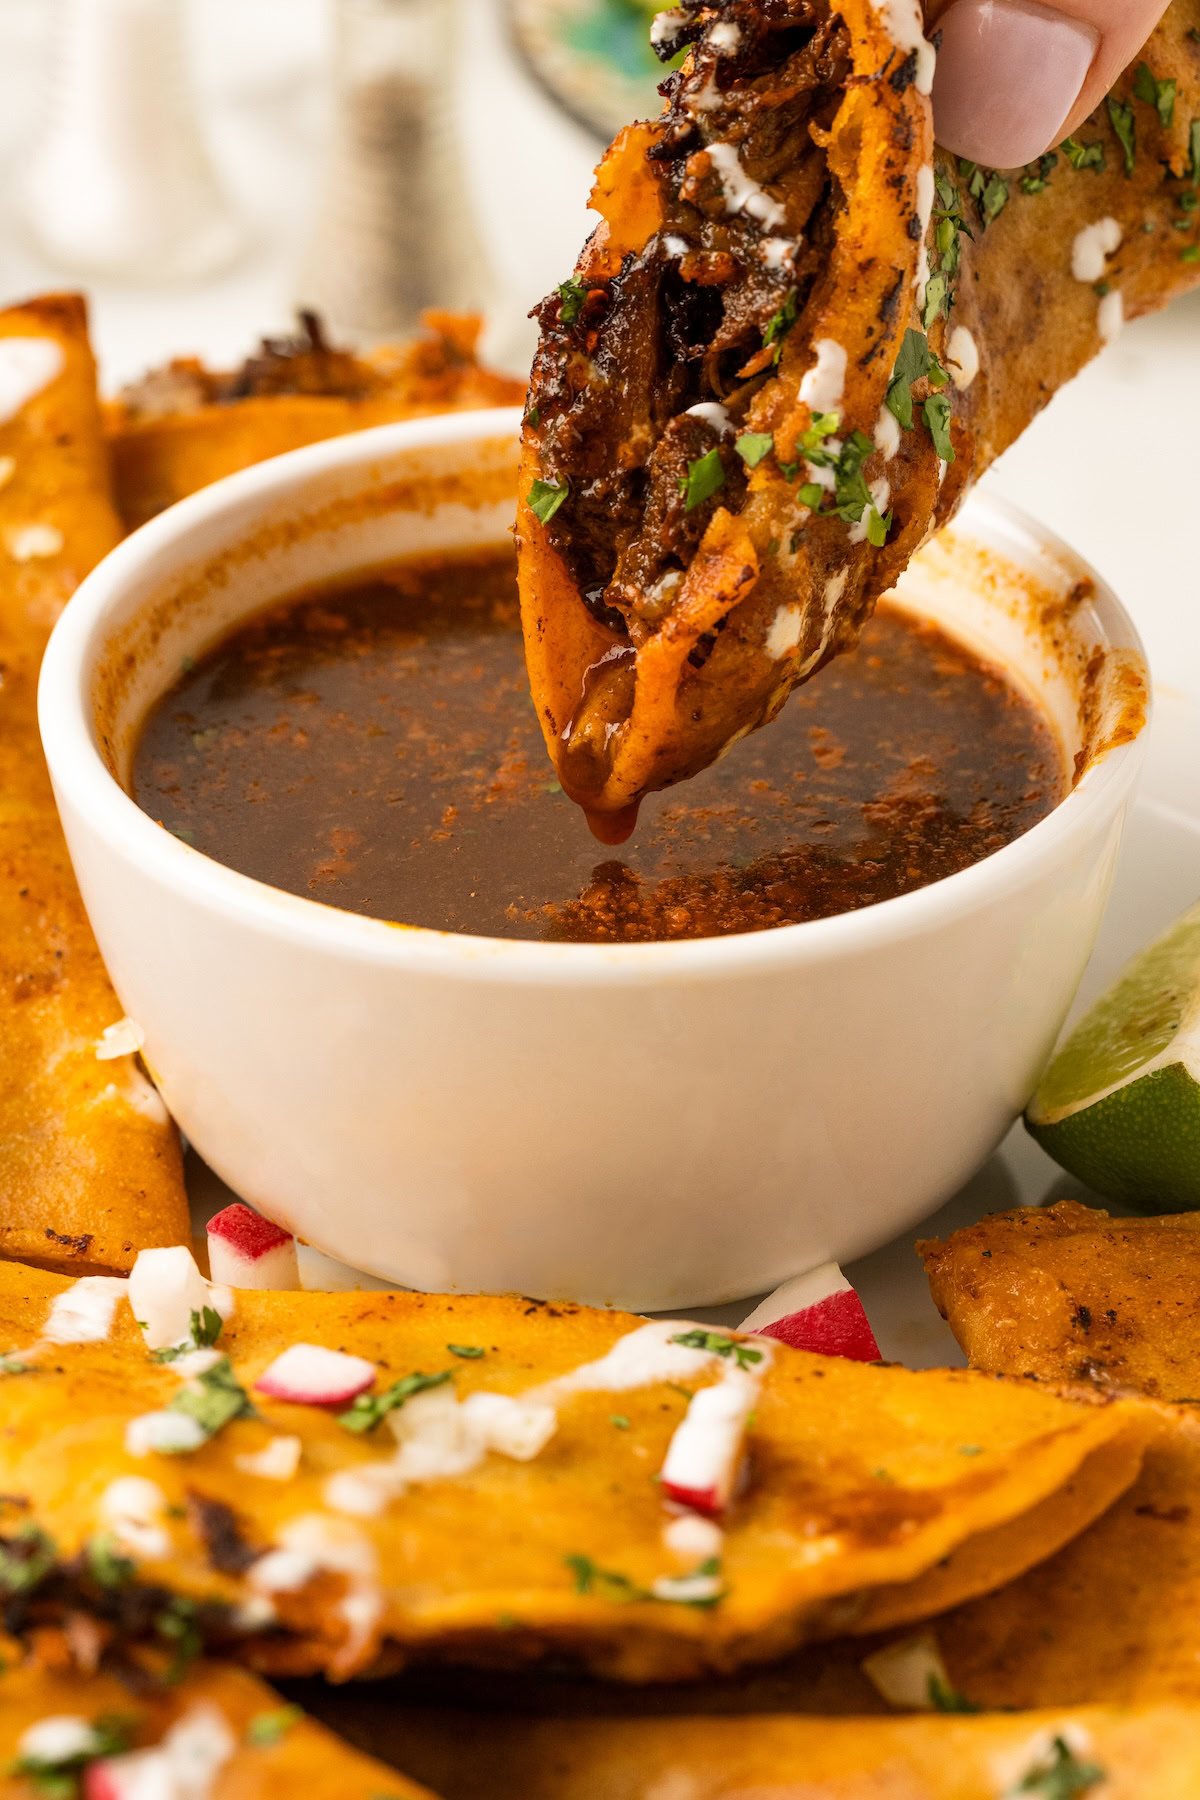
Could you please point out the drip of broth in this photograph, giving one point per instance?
(374, 747)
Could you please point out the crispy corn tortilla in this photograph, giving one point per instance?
(799, 279)
(89, 1162)
(184, 426)
(266, 1748)
(1067, 1294)
(1143, 1752)
(861, 1478)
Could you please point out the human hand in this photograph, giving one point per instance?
(1014, 77)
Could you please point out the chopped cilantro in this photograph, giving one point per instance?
(994, 198)
(717, 1344)
(365, 1413)
(608, 1584)
(1158, 94)
(811, 495)
(1083, 156)
(12, 1365)
(105, 1564)
(915, 362)
(471, 1352)
(878, 525)
(674, 1589)
(752, 446)
(1191, 254)
(704, 478)
(57, 1778)
(936, 290)
(1122, 121)
(822, 426)
(176, 1625)
(1036, 178)
(936, 413)
(946, 1699)
(533, 416)
(25, 1560)
(970, 1449)
(545, 498)
(1193, 168)
(205, 1329)
(214, 1399)
(780, 323)
(267, 1728)
(1060, 1775)
(572, 299)
(619, 1421)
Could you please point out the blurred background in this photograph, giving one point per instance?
(204, 167)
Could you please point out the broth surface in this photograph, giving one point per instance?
(375, 748)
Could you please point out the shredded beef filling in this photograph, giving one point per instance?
(700, 314)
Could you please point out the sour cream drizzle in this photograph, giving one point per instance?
(905, 25)
(742, 193)
(83, 1314)
(822, 386)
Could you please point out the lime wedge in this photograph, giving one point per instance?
(1119, 1104)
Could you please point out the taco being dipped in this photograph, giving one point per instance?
(797, 335)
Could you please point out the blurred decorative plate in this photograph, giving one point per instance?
(594, 56)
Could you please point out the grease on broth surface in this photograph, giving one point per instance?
(374, 747)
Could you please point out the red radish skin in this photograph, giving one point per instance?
(702, 1500)
(819, 1312)
(707, 1450)
(247, 1251)
(834, 1327)
(102, 1781)
(310, 1375)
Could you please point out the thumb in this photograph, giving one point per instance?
(1015, 77)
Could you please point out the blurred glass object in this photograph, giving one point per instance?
(373, 263)
(594, 56)
(120, 184)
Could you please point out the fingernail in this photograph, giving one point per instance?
(1008, 73)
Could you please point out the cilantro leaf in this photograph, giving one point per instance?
(1193, 168)
(607, 1584)
(718, 1344)
(878, 526)
(266, 1728)
(105, 1564)
(946, 1699)
(1083, 156)
(177, 1625)
(994, 198)
(1036, 178)
(936, 290)
(572, 299)
(366, 1412)
(752, 446)
(936, 413)
(811, 495)
(1158, 94)
(780, 323)
(916, 362)
(704, 478)
(1061, 1775)
(26, 1560)
(1122, 121)
(470, 1352)
(214, 1399)
(545, 498)
(206, 1327)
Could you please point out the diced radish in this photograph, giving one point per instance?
(704, 1456)
(819, 1311)
(165, 1289)
(247, 1251)
(310, 1375)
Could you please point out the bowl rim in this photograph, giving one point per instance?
(82, 778)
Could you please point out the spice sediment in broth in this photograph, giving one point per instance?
(374, 747)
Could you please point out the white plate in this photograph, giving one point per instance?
(1158, 876)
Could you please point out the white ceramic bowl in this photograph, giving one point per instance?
(655, 1125)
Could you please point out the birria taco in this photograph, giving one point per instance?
(797, 335)
(90, 1165)
(342, 1482)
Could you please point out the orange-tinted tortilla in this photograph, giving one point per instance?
(873, 1494)
(1145, 1753)
(276, 1750)
(184, 426)
(89, 1163)
(769, 589)
(1071, 1294)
